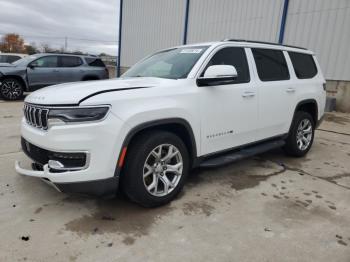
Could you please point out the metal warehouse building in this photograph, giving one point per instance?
(320, 25)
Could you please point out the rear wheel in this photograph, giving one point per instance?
(11, 89)
(301, 135)
(156, 168)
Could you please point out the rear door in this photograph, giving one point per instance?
(43, 72)
(276, 92)
(70, 69)
(228, 111)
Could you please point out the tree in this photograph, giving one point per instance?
(12, 43)
(31, 49)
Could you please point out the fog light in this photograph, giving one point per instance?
(53, 164)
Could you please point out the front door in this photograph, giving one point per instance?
(43, 72)
(229, 111)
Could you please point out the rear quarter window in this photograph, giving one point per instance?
(303, 64)
(271, 64)
(91, 61)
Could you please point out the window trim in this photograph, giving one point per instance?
(257, 71)
(214, 52)
(313, 61)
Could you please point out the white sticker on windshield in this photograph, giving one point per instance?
(191, 51)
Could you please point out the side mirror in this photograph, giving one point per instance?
(32, 66)
(218, 75)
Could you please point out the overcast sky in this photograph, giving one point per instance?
(49, 21)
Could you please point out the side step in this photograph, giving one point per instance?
(241, 153)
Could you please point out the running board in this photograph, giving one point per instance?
(241, 153)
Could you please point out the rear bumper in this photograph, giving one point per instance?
(101, 187)
(319, 122)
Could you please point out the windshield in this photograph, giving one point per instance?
(24, 61)
(172, 63)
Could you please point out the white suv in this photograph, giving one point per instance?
(196, 105)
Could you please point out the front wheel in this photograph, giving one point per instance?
(11, 89)
(156, 168)
(301, 135)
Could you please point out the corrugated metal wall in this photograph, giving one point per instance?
(150, 25)
(320, 25)
(211, 20)
(324, 27)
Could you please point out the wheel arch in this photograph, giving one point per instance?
(308, 105)
(19, 78)
(90, 77)
(178, 126)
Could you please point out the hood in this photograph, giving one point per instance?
(75, 93)
(6, 65)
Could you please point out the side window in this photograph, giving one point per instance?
(271, 64)
(46, 61)
(70, 61)
(304, 65)
(12, 58)
(94, 62)
(234, 56)
(3, 59)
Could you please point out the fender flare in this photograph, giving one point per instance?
(180, 121)
(303, 102)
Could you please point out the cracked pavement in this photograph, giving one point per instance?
(267, 208)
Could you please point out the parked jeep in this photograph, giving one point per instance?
(40, 70)
(201, 105)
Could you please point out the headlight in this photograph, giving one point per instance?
(82, 114)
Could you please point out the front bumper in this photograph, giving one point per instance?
(102, 187)
(101, 143)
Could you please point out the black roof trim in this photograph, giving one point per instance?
(261, 42)
(112, 90)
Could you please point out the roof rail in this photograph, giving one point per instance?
(261, 42)
(67, 53)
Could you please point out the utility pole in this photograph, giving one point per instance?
(65, 44)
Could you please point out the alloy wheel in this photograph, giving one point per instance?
(11, 89)
(162, 170)
(304, 134)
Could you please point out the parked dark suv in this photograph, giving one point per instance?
(40, 70)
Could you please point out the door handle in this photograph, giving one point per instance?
(248, 94)
(55, 70)
(290, 90)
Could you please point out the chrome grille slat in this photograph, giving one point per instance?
(36, 116)
(39, 118)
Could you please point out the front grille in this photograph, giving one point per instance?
(42, 156)
(36, 116)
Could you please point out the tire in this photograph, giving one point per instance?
(11, 89)
(301, 135)
(143, 150)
